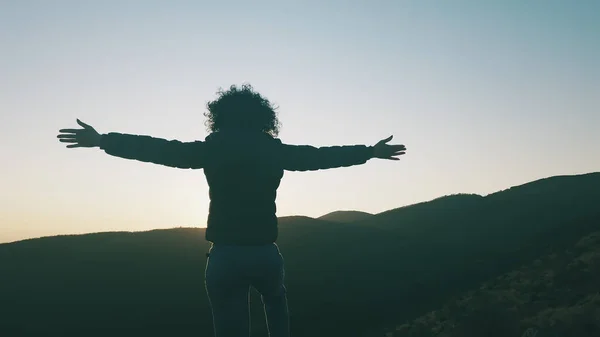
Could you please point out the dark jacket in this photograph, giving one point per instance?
(243, 171)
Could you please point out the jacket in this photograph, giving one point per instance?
(243, 170)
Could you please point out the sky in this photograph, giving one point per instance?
(484, 94)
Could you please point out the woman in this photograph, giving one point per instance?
(243, 162)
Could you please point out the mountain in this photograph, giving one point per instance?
(346, 216)
(343, 279)
(555, 295)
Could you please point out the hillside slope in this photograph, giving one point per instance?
(556, 295)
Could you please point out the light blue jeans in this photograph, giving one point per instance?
(230, 272)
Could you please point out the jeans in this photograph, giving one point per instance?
(230, 272)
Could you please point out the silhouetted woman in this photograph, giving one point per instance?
(243, 163)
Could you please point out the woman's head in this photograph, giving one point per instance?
(241, 108)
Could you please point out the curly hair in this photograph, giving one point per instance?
(241, 108)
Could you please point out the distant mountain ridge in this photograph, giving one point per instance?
(342, 278)
(346, 216)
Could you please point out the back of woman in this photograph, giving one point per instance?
(243, 178)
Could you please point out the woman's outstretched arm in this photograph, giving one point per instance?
(173, 153)
(310, 158)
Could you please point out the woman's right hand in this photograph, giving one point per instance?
(383, 150)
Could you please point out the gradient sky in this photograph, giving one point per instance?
(485, 95)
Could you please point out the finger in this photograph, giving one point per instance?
(399, 153)
(74, 146)
(392, 158)
(68, 140)
(398, 147)
(85, 126)
(67, 135)
(387, 139)
(70, 130)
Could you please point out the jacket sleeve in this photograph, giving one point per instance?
(173, 153)
(310, 158)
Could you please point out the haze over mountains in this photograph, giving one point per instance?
(348, 273)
